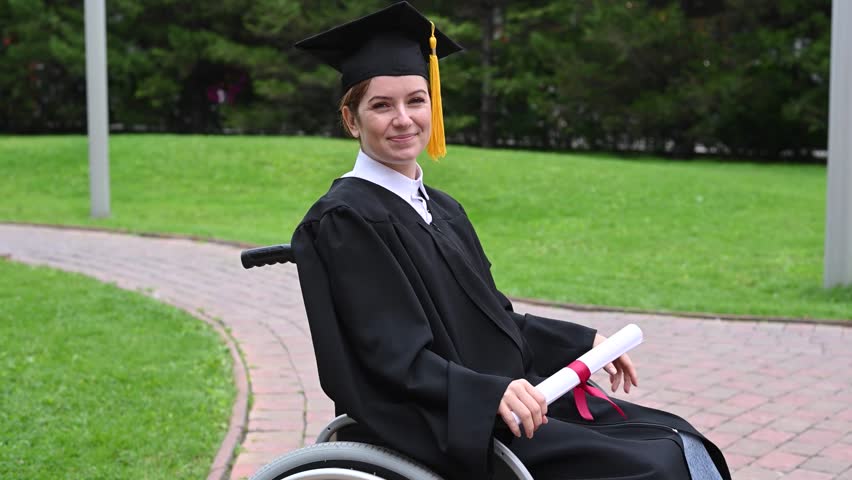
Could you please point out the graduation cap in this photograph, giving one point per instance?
(394, 41)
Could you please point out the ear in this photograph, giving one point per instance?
(351, 122)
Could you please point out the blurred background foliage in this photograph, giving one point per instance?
(746, 79)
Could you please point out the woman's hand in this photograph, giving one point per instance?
(527, 403)
(621, 369)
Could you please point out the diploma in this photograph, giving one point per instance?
(595, 359)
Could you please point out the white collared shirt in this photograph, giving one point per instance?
(412, 191)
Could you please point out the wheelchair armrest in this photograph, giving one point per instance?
(512, 462)
(340, 422)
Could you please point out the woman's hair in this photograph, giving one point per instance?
(351, 99)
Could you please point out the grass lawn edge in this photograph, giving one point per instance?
(220, 469)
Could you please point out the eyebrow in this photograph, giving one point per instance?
(382, 97)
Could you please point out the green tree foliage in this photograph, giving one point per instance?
(747, 78)
(42, 66)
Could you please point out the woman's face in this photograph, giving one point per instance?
(394, 119)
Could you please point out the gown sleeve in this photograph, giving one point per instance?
(387, 332)
(554, 343)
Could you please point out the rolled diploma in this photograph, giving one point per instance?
(613, 347)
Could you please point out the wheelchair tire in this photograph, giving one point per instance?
(338, 456)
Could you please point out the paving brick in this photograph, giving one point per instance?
(800, 474)
(754, 448)
(792, 425)
(825, 464)
(780, 461)
(276, 415)
(319, 416)
(742, 428)
(725, 409)
(668, 396)
(839, 451)
(700, 400)
(688, 387)
(276, 442)
(747, 400)
(819, 437)
(707, 420)
(835, 425)
(720, 393)
(295, 424)
(801, 448)
(809, 415)
(737, 460)
(829, 408)
(740, 384)
(847, 475)
(757, 416)
(278, 402)
(754, 472)
(776, 437)
(277, 386)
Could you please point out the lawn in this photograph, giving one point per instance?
(100, 383)
(700, 236)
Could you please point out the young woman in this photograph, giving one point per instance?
(412, 337)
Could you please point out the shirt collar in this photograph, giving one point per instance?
(380, 174)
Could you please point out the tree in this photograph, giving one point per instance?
(42, 66)
(741, 78)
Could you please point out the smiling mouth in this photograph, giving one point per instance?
(402, 138)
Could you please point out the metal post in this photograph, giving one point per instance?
(97, 107)
(838, 222)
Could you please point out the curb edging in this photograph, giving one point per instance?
(234, 436)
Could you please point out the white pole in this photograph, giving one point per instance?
(838, 222)
(97, 105)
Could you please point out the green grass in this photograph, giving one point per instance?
(704, 236)
(100, 383)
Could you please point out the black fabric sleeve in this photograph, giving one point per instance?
(388, 330)
(554, 343)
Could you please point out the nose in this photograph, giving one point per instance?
(402, 119)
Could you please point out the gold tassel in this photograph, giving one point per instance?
(437, 146)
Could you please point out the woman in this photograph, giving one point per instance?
(412, 337)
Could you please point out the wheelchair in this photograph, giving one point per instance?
(329, 459)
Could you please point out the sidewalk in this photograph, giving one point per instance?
(777, 398)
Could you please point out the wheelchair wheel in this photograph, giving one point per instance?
(344, 461)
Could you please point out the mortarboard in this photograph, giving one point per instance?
(393, 41)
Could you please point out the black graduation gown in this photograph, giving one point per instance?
(415, 342)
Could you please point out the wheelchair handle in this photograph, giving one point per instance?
(258, 257)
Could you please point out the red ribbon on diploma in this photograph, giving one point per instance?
(583, 388)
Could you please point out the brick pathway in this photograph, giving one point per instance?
(777, 398)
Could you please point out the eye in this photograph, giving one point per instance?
(380, 105)
(417, 100)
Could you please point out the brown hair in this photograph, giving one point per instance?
(351, 99)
